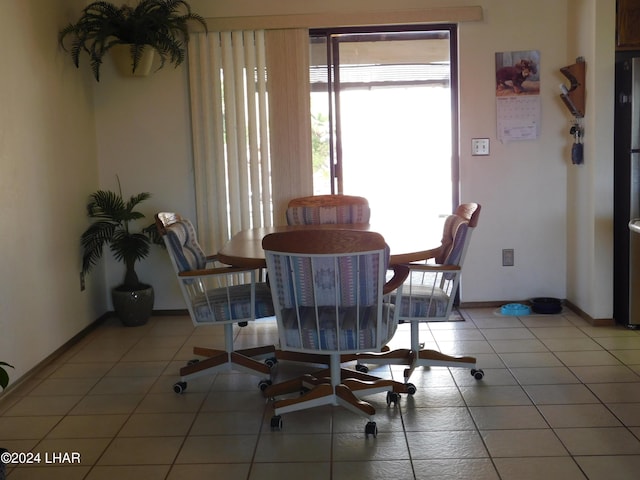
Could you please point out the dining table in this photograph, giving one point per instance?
(407, 243)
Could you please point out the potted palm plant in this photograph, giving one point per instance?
(132, 300)
(159, 26)
(4, 376)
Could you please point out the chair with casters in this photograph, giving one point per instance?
(328, 209)
(328, 290)
(216, 294)
(430, 293)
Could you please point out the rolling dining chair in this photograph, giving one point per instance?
(430, 293)
(328, 288)
(328, 209)
(216, 294)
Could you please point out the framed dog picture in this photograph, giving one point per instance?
(517, 90)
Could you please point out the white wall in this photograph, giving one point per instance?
(48, 165)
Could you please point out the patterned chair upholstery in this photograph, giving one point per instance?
(328, 290)
(215, 294)
(328, 209)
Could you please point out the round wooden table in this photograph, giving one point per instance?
(406, 244)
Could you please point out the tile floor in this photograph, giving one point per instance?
(560, 400)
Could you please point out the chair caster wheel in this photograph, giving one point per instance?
(276, 422)
(371, 429)
(264, 384)
(362, 368)
(477, 374)
(392, 397)
(193, 361)
(411, 388)
(179, 387)
(271, 362)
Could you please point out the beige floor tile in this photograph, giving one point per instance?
(465, 347)
(436, 397)
(558, 332)
(507, 333)
(157, 425)
(217, 401)
(560, 394)
(497, 322)
(49, 405)
(82, 370)
(355, 447)
(544, 375)
(26, 427)
(218, 449)
(492, 377)
(564, 468)
(458, 469)
(122, 385)
(518, 346)
(589, 415)
(142, 451)
(63, 386)
(507, 417)
(628, 357)
(87, 450)
(617, 392)
(542, 321)
(106, 404)
(628, 413)
(571, 344)
(620, 343)
(88, 426)
(440, 418)
(49, 473)
(523, 443)
(225, 423)
(445, 445)
(587, 358)
(306, 470)
(530, 359)
(602, 467)
(170, 402)
(599, 441)
(482, 395)
(605, 374)
(397, 470)
(129, 472)
(226, 471)
(138, 369)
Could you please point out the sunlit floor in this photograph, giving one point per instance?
(560, 400)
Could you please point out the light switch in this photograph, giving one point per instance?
(479, 146)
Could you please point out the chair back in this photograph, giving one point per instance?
(328, 209)
(327, 288)
(431, 290)
(213, 293)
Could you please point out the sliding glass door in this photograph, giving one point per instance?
(384, 116)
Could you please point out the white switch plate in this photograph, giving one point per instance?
(479, 146)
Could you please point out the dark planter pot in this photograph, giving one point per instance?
(133, 308)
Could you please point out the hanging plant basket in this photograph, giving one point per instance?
(123, 61)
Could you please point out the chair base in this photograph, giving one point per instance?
(244, 360)
(418, 358)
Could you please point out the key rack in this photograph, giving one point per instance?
(574, 97)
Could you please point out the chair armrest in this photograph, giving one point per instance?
(215, 271)
(400, 274)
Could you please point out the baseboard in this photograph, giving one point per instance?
(596, 322)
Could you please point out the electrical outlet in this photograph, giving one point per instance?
(82, 285)
(479, 146)
(507, 257)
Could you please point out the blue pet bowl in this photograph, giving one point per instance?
(515, 309)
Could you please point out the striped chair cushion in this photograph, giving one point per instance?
(184, 245)
(233, 303)
(338, 214)
(423, 303)
(320, 333)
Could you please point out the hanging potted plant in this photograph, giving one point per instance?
(133, 33)
(4, 381)
(132, 300)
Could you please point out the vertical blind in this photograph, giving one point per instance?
(229, 114)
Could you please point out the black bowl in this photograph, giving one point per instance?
(546, 305)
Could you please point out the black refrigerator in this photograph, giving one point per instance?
(626, 174)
